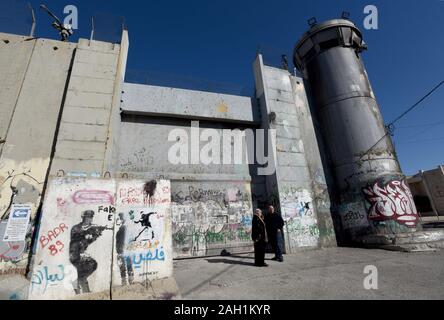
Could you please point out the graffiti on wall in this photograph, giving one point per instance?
(353, 215)
(143, 237)
(298, 213)
(87, 224)
(74, 239)
(210, 218)
(16, 187)
(393, 201)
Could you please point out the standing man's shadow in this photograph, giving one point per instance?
(229, 261)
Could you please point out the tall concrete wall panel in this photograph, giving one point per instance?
(98, 234)
(15, 54)
(74, 255)
(298, 188)
(91, 109)
(318, 176)
(210, 216)
(29, 142)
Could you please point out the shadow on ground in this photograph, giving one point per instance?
(228, 261)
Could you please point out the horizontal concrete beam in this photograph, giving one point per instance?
(188, 104)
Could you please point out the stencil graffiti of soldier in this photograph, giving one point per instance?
(82, 235)
(125, 265)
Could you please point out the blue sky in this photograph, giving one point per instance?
(217, 40)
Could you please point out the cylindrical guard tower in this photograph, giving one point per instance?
(374, 195)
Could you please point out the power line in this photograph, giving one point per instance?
(390, 127)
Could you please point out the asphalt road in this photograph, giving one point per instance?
(333, 273)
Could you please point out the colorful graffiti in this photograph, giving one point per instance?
(299, 216)
(208, 219)
(111, 238)
(18, 185)
(74, 239)
(394, 201)
(143, 232)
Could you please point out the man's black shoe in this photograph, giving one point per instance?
(275, 259)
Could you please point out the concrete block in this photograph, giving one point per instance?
(83, 132)
(300, 175)
(288, 132)
(420, 237)
(101, 46)
(281, 96)
(76, 98)
(86, 166)
(289, 145)
(280, 84)
(89, 116)
(85, 84)
(80, 150)
(14, 287)
(291, 159)
(287, 107)
(162, 289)
(83, 69)
(97, 57)
(274, 73)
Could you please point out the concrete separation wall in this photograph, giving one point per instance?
(39, 71)
(298, 188)
(88, 128)
(98, 233)
(209, 217)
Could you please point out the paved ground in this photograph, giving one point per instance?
(335, 273)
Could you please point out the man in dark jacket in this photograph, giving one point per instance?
(275, 225)
(259, 236)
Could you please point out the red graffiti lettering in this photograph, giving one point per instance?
(52, 235)
(394, 201)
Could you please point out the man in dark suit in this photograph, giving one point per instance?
(275, 225)
(259, 236)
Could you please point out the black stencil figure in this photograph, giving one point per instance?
(150, 188)
(125, 265)
(145, 222)
(82, 235)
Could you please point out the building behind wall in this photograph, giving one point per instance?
(428, 191)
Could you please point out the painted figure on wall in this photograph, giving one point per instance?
(82, 236)
(125, 265)
(146, 224)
